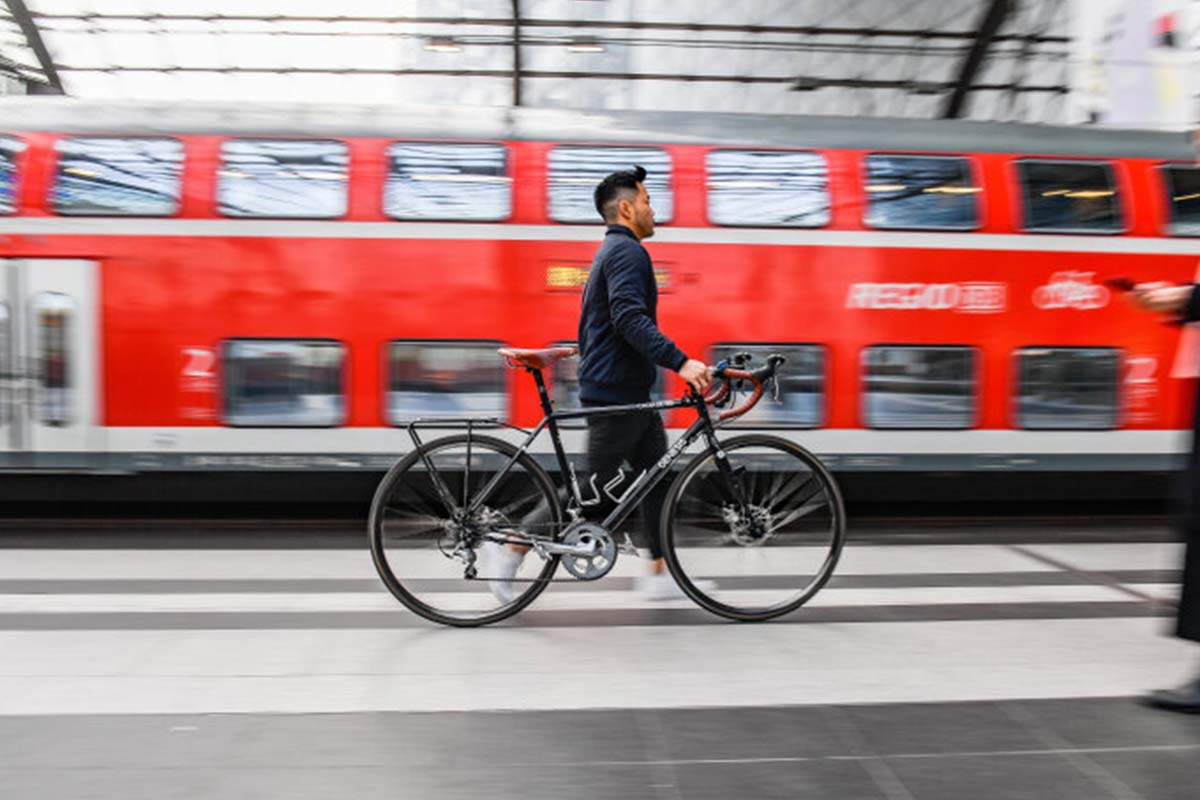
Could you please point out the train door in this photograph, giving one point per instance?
(49, 353)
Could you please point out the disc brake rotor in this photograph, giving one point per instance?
(752, 529)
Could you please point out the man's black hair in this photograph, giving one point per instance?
(612, 186)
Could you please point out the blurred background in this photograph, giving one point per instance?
(245, 243)
(205, 194)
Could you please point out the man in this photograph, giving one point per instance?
(621, 349)
(1183, 301)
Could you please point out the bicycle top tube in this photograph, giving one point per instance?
(536, 360)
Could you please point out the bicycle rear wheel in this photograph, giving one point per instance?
(767, 556)
(419, 543)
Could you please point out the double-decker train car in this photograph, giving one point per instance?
(203, 289)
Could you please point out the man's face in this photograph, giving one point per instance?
(641, 215)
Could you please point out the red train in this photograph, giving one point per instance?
(199, 288)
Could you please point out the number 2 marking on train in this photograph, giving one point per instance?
(1141, 369)
(200, 362)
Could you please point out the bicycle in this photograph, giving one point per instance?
(756, 515)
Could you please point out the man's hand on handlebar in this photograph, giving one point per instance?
(696, 374)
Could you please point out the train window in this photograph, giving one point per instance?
(767, 188)
(283, 382)
(1067, 388)
(54, 317)
(444, 379)
(575, 171)
(107, 176)
(447, 181)
(283, 179)
(1183, 193)
(920, 386)
(1069, 197)
(10, 148)
(925, 192)
(801, 401)
(564, 387)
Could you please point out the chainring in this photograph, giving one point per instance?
(603, 557)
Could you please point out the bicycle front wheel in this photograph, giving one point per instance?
(759, 539)
(421, 540)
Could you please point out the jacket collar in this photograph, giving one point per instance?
(622, 230)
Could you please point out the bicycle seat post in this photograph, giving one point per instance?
(543, 393)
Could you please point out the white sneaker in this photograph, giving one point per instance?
(662, 586)
(499, 563)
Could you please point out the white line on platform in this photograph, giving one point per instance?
(1159, 591)
(431, 669)
(1113, 555)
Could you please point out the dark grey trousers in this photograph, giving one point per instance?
(637, 440)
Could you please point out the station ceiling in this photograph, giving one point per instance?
(976, 59)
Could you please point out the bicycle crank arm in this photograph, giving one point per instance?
(545, 547)
(581, 550)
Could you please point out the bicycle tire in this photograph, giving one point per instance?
(402, 471)
(794, 463)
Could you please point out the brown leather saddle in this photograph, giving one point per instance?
(536, 359)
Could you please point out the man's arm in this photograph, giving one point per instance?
(1168, 298)
(630, 313)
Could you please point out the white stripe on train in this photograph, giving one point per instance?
(847, 441)
(326, 229)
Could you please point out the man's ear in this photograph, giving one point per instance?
(624, 207)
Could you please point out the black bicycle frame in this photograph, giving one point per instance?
(631, 497)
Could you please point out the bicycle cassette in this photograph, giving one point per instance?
(594, 554)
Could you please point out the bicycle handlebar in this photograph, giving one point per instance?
(758, 377)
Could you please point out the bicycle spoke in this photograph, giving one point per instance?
(796, 487)
(801, 511)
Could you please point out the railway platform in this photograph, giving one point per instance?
(997, 661)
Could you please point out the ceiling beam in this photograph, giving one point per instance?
(33, 37)
(527, 22)
(992, 19)
(917, 87)
(516, 52)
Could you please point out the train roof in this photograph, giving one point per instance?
(68, 115)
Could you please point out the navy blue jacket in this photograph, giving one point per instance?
(620, 345)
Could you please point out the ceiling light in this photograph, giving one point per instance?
(585, 44)
(442, 44)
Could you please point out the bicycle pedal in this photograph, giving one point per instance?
(628, 548)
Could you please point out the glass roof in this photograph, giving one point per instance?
(869, 57)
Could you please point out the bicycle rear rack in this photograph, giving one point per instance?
(466, 423)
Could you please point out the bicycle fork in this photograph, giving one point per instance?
(733, 482)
